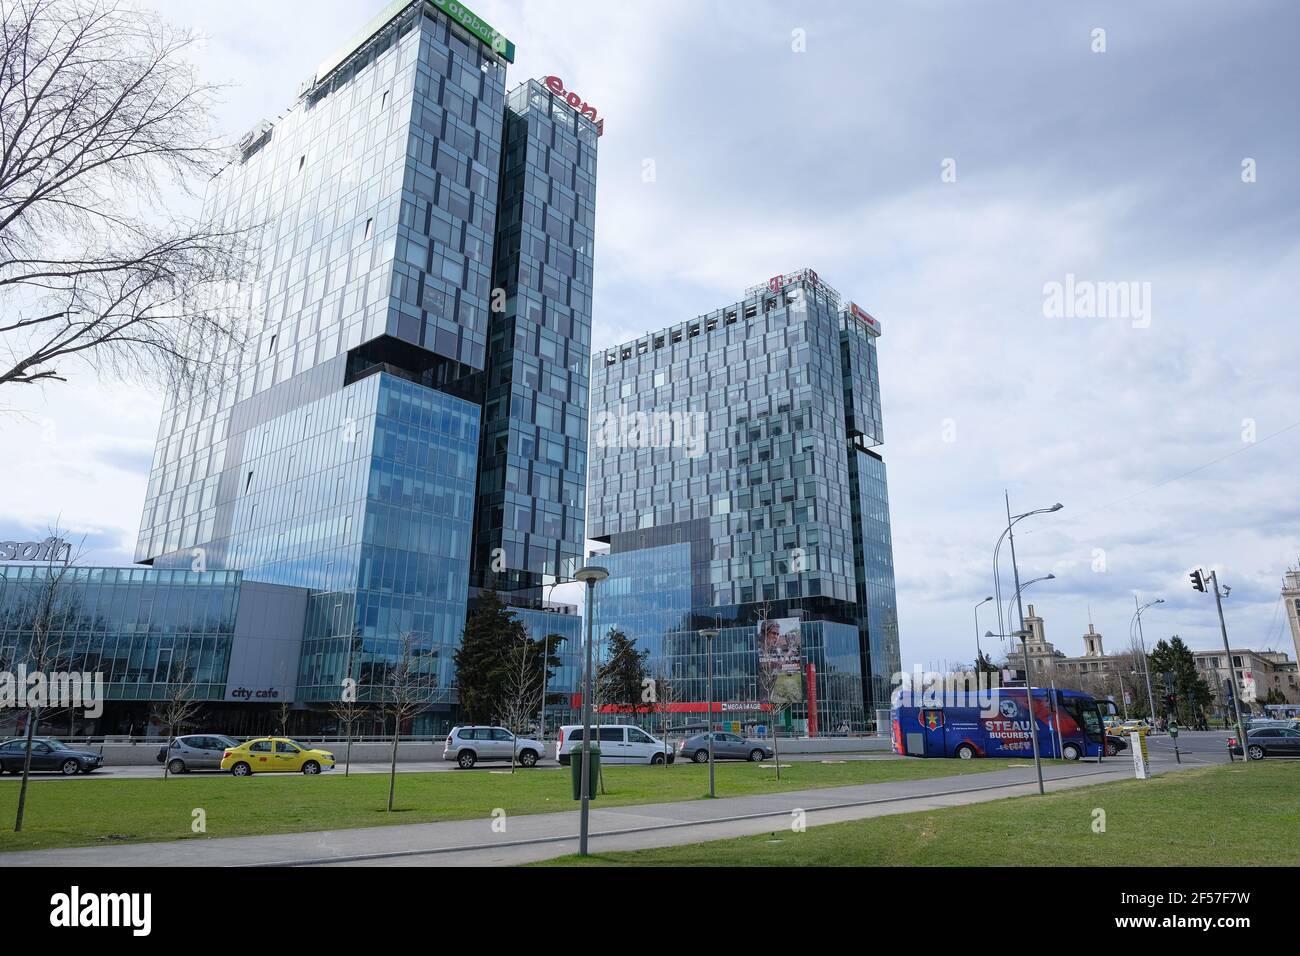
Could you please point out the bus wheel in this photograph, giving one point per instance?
(1071, 752)
(966, 752)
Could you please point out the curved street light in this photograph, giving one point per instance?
(1015, 570)
(1146, 661)
(997, 576)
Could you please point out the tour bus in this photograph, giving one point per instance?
(960, 724)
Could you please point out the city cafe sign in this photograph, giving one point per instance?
(556, 86)
(51, 549)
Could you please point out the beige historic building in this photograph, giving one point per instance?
(1255, 673)
(1291, 598)
(1121, 675)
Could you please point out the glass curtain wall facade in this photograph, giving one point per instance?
(144, 630)
(726, 444)
(532, 473)
(403, 199)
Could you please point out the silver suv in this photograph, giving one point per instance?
(195, 752)
(468, 745)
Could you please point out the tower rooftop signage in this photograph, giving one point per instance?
(458, 12)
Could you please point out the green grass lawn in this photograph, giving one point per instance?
(62, 813)
(1231, 815)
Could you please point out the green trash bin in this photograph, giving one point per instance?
(593, 771)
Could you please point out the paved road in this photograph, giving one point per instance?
(414, 766)
(484, 841)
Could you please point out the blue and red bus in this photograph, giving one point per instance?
(996, 723)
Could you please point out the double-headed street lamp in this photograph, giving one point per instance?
(588, 576)
(997, 574)
(1020, 607)
(1146, 661)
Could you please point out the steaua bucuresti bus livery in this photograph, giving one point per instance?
(995, 723)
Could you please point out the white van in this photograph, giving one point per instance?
(619, 743)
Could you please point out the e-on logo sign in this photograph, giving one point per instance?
(556, 86)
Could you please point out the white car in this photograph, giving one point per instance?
(619, 743)
(468, 745)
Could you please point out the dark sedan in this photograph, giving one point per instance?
(1269, 742)
(725, 747)
(48, 754)
(1115, 744)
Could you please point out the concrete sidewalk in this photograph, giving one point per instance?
(526, 838)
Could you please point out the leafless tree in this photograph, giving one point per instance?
(407, 690)
(179, 706)
(100, 111)
(666, 694)
(348, 710)
(42, 651)
(522, 691)
(282, 717)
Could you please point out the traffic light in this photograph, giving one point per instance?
(1198, 580)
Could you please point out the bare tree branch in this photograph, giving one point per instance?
(99, 111)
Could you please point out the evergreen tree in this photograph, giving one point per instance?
(492, 634)
(1176, 658)
(621, 679)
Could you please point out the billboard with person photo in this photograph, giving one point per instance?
(780, 660)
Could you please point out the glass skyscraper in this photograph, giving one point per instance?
(733, 478)
(408, 422)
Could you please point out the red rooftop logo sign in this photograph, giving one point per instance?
(863, 316)
(556, 86)
(777, 283)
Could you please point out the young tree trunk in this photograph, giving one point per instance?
(776, 753)
(392, 767)
(347, 758)
(27, 769)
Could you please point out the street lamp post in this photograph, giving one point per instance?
(546, 654)
(709, 634)
(1232, 672)
(589, 576)
(1146, 661)
(1020, 607)
(979, 654)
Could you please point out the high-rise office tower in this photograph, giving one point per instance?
(734, 478)
(416, 372)
(532, 470)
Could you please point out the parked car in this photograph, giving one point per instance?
(619, 744)
(1259, 723)
(47, 754)
(468, 745)
(1268, 742)
(725, 747)
(196, 752)
(275, 755)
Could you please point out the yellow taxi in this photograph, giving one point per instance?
(1134, 727)
(275, 755)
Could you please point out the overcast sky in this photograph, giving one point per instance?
(827, 134)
